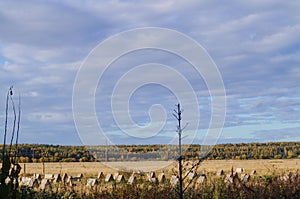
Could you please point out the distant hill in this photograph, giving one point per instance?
(241, 151)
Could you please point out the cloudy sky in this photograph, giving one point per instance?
(255, 46)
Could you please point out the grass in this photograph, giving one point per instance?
(267, 183)
(263, 167)
(269, 186)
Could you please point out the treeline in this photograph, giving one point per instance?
(52, 153)
(272, 150)
(57, 153)
(240, 151)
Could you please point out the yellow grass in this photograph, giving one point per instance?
(93, 168)
(261, 166)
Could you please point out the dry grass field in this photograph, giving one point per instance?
(273, 180)
(91, 169)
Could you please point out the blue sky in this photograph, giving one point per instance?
(255, 45)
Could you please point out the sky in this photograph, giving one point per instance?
(255, 46)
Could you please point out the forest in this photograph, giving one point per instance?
(241, 151)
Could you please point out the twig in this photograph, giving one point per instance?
(5, 125)
(18, 125)
(191, 169)
(14, 123)
(196, 165)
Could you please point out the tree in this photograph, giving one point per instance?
(10, 168)
(193, 166)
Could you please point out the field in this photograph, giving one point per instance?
(274, 179)
(262, 167)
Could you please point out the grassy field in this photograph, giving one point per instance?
(93, 168)
(271, 180)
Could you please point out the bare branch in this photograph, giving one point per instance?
(14, 123)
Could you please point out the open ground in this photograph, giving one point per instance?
(91, 169)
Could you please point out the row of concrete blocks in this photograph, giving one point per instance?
(161, 178)
(151, 177)
(237, 170)
(230, 178)
(244, 178)
(36, 180)
(56, 178)
(45, 183)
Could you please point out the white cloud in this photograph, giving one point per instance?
(254, 44)
(49, 117)
(285, 37)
